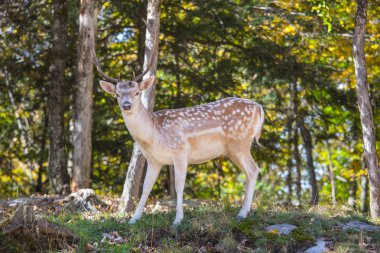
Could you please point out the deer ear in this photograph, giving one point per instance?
(108, 87)
(145, 84)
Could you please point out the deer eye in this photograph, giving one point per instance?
(137, 93)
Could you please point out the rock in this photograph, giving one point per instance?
(112, 237)
(359, 225)
(83, 200)
(281, 229)
(319, 248)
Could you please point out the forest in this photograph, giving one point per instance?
(313, 65)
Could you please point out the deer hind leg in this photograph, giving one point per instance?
(150, 178)
(246, 163)
(180, 171)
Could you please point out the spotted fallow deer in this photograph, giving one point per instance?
(186, 136)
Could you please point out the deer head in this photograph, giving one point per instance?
(128, 93)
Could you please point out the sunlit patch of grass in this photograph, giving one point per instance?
(213, 228)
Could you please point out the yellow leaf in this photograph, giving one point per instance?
(106, 5)
(290, 30)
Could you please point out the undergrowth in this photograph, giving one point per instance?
(213, 228)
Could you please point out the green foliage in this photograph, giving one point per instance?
(208, 50)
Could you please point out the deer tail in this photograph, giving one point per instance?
(259, 125)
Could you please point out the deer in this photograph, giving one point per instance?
(186, 136)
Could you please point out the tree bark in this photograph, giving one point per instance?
(351, 202)
(172, 192)
(136, 166)
(42, 152)
(306, 137)
(58, 175)
(297, 156)
(141, 35)
(289, 177)
(83, 99)
(331, 174)
(133, 180)
(366, 116)
(363, 193)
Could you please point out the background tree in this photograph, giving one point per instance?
(136, 166)
(58, 175)
(364, 103)
(212, 50)
(83, 96)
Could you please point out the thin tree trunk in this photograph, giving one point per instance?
(352, 193)
(83, 99)
(58, 176)
(363, 193)
(306, 137)
(369, 137)
(141, 35)
(331, 174)
(136, 166)
(297, 156)
(42, 153)
(289, 178)
(133, 180)
(172, 192)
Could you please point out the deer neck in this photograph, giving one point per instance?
(140, 125)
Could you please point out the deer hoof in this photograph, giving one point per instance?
(240, 218)
(175, 224)
(132, 221)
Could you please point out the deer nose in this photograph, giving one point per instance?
(127, 105)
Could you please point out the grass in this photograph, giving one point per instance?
(211, 227)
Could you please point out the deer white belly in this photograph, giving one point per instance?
(205, 145)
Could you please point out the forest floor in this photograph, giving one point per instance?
(207, 227)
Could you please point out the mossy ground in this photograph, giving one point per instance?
(212, 228)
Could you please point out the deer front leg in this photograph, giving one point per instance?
(180, 171)
(150, 178)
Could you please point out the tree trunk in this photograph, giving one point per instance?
(58, 176)
(172, 192)
(306, 137)
(369, 137)
(42, 153)
(331, 175)
(83, 95)
(133, 180)
(289, 178)
(141, 35)
(363, 193)
(297, 156)
(136, 166)
(351, 202)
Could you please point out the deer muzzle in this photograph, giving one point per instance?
(126, 106)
